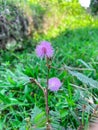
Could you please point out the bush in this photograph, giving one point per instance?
(94, 6)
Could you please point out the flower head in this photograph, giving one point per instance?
(54, 84)
(44, 49)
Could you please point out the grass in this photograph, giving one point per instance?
(76, 45)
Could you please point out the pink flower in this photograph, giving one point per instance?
(44, 49)
(54, 84)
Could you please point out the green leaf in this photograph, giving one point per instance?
(38, 118)
(84, 79)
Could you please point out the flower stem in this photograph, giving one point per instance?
(46, 96)
(45, 92)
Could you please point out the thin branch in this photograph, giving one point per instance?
(37, 83)
(75, 68)
(77, 86)
(71, 68)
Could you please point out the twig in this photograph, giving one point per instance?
(37, 83)
(77, 86)
(71, 68)
(75, 68)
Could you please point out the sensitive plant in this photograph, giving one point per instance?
(45, 50)
(73, 103)
(54, 84)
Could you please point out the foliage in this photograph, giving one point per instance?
(14, 24)
(94, 6)
(76, 45)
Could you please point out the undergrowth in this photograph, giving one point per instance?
(76, 51)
